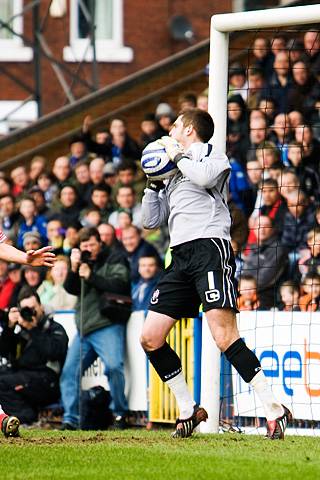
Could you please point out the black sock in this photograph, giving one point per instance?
(165, 361)
(243, 360)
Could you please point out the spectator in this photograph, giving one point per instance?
(289, 296)
(9, 217)
(83, 183)
(263, 58)
(299, 219)
(32, 277)
(311, 146)
(257, 134)
(311, 42)
(104, 271)
(96, 171)
(69, 209)
(238, 84)
(101, 200)
(31, 241)
(126, 199)
(71, 239)
(37, 166)
(108, 236)
(102, 136)
(52, 293)
(117, 146)
(237, 125)
(36, 352)
(14, 273)
(187, 100)
(124, 221)
(46, 184)
(273, 205)
(310, 300)
(5, 186)
(20, 179)
(39, 199)
(267, 105)
(164, 115)
(296, 49)
(78, 151)
(309, 179)
(288, 182)
(135, 247)
(305, 89)
(6, 286)
(281, 135)
(90, 217)
(309, 262)
(31, 222)
(110, 175)
(281, 81)
(278, 44)
(248, 298)
(267, 155)
(295, 120)
(202, 101)
(240, 190)
(257, 87)
(149, 129)
(266, 262)
(142, 289)
(55, 234)
(61, 171)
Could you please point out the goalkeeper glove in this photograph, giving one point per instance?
(155, 185)
(173, 148)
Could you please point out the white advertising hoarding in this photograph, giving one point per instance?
(288, 347)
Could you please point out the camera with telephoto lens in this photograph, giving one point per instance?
(27, 313)
(86, 257)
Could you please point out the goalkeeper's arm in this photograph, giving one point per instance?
(155, 208)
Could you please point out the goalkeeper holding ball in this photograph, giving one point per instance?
(194, 203)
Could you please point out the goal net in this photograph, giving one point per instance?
(264, 96)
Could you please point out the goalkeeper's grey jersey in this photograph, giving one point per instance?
(194, 201)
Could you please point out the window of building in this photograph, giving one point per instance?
(11, 45)
(108, 21)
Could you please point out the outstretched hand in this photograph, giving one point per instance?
(42, 257)
(86, 125)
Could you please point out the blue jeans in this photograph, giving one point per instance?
(108, 343)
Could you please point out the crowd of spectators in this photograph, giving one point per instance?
(273, 143)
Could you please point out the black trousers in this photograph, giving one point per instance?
(22, 392)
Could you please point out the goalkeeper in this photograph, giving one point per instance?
(194, 203)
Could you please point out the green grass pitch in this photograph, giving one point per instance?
(141, 454)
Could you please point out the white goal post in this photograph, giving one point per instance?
(221, 26)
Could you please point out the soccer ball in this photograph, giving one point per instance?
(155, 162)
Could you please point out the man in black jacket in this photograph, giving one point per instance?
(35, 347)
(96, 269)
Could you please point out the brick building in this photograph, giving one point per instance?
(130, 35)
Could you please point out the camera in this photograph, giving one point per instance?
(86, 257)
(27, 313)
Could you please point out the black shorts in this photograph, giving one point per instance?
(201, 271)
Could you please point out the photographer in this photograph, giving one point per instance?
(35, 347)
(95, 269)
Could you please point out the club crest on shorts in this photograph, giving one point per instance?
(155, 297)
(212, 295)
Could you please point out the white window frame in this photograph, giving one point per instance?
(14, 50)
(106, 50)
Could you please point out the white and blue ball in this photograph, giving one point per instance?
(155, 162)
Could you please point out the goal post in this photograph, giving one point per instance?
(221, 26)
